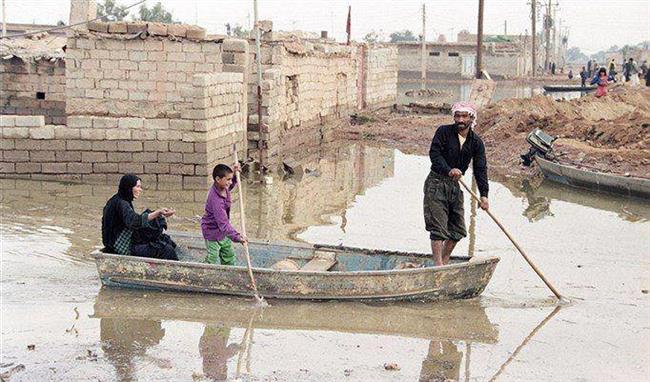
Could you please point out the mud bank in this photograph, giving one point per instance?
(609, 134)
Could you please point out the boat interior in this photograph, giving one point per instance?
(294, 257)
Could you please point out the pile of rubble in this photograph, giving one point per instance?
(608, 134)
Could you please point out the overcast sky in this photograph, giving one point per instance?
(593, 24)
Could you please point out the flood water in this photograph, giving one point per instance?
(593, 247)
(452, 92)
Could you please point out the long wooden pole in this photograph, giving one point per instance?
(243, 228)
(514, 242)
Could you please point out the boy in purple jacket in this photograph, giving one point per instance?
(215, 223)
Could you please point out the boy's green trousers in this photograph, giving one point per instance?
(220, 252)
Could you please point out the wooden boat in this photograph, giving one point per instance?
(466, 321)
(568, 88)
(592, 180)
(326, 273)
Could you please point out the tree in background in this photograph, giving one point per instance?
(157, 14)
(371, 38)
(575, 55)
(405, 35)
(110, 11)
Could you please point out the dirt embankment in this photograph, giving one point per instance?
(609, 134)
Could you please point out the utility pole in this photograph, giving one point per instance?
(4, 21)
(423, 62)
(348, 25)
(505, 27)
(258, 58)
(555, 44)
(534, 36)
(548, 23)
(479, 42)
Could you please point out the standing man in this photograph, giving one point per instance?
(583, 77)
(633, 72)
(452, 148)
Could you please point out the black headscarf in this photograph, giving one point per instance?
(119, 213)
(125, 190)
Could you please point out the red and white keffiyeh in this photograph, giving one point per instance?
(467, 107)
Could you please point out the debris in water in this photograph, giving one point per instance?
(391, 366)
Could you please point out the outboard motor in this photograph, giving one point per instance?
(541, 144)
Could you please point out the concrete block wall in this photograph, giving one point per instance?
(507, 66)
(303, 94)
(381, 77)
(20, 83)
(112, 75)
(497, 62)
(219, 121)
(99, 149)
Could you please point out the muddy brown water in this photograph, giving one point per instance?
(593, 247)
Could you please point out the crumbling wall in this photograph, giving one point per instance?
(158, 106)
(33, 88)
(307, 89)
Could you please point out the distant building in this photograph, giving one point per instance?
(17, 28)
(503, 56)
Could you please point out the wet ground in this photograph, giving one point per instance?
(593, 247)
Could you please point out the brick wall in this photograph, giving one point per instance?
(99, 149)
(33, 88)
(381, 77)
(119, 77)
(307, 89)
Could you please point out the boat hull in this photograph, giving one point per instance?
(552, 88)
(597, 181)
(460, 280)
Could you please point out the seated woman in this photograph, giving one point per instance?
(120, 221)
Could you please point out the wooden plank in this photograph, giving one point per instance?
(322, 261)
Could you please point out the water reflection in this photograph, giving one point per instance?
(453, 91)
(542, 196)
(278, 211)
(215, 351)
(130, 324)
(442, 363)
(125, 342)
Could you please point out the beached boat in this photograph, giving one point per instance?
(592, 180)
(568, 88)
(325, 273)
